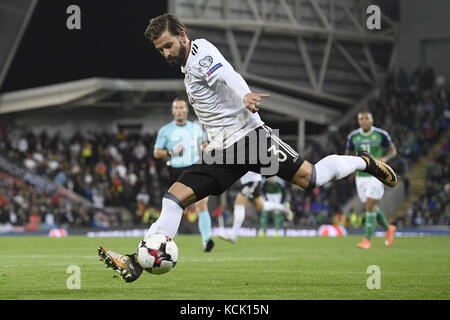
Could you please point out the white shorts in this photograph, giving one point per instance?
(369, 187)
(274, 197)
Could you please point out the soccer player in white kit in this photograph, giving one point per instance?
(239, 141)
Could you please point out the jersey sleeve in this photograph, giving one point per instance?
(385, 139)
(214, 67)
(264, 192)
(283, 195)
(350, 146)
(212, 64)
(161, 139)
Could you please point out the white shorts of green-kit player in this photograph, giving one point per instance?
(369, 187)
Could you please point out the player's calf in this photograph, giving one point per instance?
(330, 168)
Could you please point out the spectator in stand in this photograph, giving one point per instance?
(48, 221)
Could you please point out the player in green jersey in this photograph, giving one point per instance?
(273, 190)
(373, 140)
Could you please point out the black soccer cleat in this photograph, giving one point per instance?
(126, 265)
(209, 245)
(378, 169)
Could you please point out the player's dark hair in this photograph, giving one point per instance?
(364, 111)
(180, 99)
(162, 23)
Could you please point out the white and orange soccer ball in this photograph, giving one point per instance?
(57, 233)
(328, 230)
(157, 254)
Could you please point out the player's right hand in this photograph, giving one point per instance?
(253, 100)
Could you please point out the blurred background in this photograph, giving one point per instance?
(80, 108)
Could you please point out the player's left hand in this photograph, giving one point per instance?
(253, 100)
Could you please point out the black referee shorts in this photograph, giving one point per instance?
(260, 151)
(175, 173)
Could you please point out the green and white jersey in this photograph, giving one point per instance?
(274, 191)
(373, 141)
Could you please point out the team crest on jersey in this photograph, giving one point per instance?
(206, 61)
(374, 137)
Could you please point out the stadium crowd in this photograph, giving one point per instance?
(433, 206)
(119, 170)
(110, 170)
(23, 208)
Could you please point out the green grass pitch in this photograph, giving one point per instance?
(254, 268)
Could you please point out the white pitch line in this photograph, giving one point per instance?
(234, 259)
(34, 256)
(186, 260)
(42, 265)
(183, 261)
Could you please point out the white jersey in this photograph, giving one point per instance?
(250, 176)
(220, 110)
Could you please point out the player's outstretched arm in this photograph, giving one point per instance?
(238, 85)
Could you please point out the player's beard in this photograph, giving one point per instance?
(179, 59)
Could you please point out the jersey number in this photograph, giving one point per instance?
(278, 152)
(366, 147)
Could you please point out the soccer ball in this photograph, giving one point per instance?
(157, 254)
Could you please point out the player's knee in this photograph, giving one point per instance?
(240, 200)
(259, 203)
(371, 204)
(183, 193)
